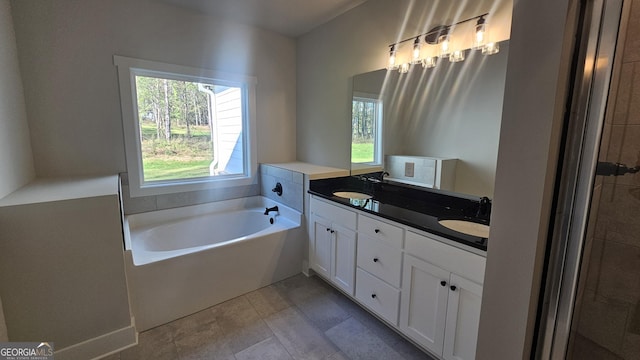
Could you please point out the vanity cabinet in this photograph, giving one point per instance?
(441, 297)
(426, 288)
(333, 244)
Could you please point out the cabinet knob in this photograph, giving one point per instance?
(373, 296)
(453, 288)
(375, 259)
(332, 231)
(328, 229)
(443, 283)
(377, 231)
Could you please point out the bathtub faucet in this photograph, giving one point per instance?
(268, 210)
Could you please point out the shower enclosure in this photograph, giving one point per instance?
(591, 298)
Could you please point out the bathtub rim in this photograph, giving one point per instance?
(156, 217)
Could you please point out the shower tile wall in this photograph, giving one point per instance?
(607, 315)
(292, 185)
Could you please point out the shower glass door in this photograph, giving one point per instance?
(606, 320)
(591, 304)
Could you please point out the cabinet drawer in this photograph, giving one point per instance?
(380, 259)
(378, 296)
(464, 263)
(380, 230)
(333, 213)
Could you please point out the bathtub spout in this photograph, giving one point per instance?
(268, 210)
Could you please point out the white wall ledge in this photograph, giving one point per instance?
(58, 189)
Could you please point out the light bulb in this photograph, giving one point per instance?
(456, 56)
(480, 34)
(416, 51)
(444, 45)
(392, 58)
(429, 62)
(490, 48)
(404, 68)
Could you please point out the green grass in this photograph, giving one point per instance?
(181, 158)
(159, 169)
(362, 152)
(149, 131)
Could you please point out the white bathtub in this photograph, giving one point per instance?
(180, 261)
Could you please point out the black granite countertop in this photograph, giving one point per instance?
(409, 205)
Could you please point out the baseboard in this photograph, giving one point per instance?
(100, 346)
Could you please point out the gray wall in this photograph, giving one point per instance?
(66, 49)
(16, 162)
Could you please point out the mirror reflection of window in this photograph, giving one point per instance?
(366, 126)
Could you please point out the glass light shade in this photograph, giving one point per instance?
(480, 33)
(415, 55)
(478, 36)
(443, 41)
(392, 59)
(404, 68)
(429, 62)
(491, 48)
(456, 56)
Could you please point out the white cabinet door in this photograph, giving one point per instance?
(463, 317)
(425, 289)
(343, 270)
(321, 246)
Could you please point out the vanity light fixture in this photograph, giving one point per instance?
(441, 36)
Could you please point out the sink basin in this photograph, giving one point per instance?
(352, 195)
(467, 227)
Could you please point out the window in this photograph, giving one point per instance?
(185, 129)
(366, 129)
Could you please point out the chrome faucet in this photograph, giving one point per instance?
(268, 210)
(375, 177)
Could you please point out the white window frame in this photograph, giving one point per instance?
(377, 154)
(128, 69)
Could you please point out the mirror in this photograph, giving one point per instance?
(437, 127)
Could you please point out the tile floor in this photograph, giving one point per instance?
(297, 318)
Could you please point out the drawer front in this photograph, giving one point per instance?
(380, 230)
(461, 262)
(380, 259)
(378, 296)
(333, 213)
